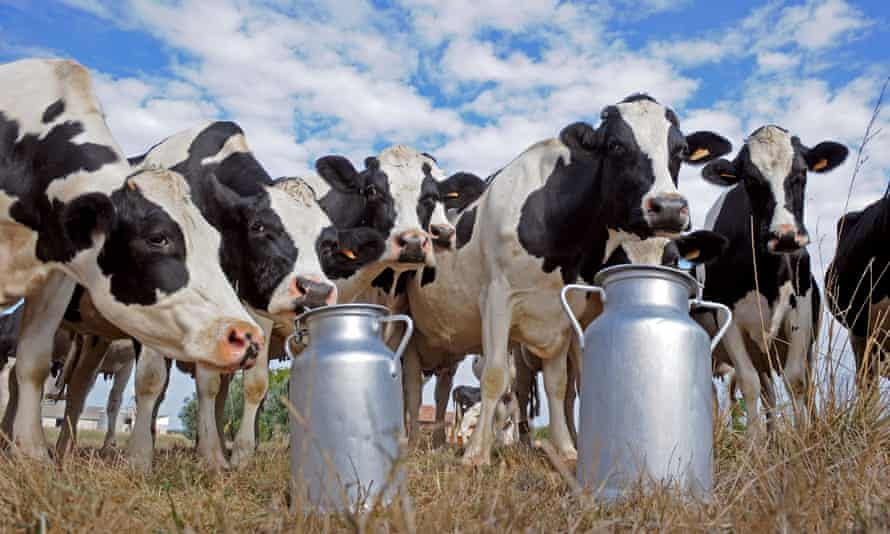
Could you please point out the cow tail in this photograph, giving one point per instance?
(534, 402)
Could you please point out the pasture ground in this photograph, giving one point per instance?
(834, 476)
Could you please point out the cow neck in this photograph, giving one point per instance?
(564, 222)
(739, 271)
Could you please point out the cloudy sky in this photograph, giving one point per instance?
(476, 81)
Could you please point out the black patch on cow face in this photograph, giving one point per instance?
(31, 164)
(357, 198)
(53, 111)
(429, 195)
(465, 227)
(145, 252)
(343, 252)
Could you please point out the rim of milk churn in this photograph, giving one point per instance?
(382, 313)
(636, 271)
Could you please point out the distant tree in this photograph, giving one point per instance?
(272, 417)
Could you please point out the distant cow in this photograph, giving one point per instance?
(765, 276)
(73, 212)
(551, 216)
(858, 286)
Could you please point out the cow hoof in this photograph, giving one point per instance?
(36, 453)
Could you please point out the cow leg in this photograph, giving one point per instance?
(5, 387)
(11, 405)
(523, 389)
(152, 375)
(256, 383)
(572, 387)
(42, 316)
(496, 317)
(82, 379)
(219, 408)
(746, 376)
(555, 377)
(444, 380)
(57, 392)
(209, 447)
(796, 373)
(113, 409)
(768, 396)
(412, 388)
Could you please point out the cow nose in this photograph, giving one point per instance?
(668, 212)
(314, 293)
(442, 233)
(785, 238)
(411, 246)
(241, 344)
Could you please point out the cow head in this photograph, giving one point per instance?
(696, 248)
(158, 276)
(639, 148)
(773, 167)
(397, 194)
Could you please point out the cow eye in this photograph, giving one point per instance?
(257, 227)
(158, 241)
(616, 148)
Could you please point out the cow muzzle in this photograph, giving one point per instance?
(786, 239)
(443, 235)
(667, 214)
(412, 247)
(239, 346)
(312, 292)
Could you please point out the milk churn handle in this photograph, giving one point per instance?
(716, 306)
(565, 306)
(409, 329)
(12, 309)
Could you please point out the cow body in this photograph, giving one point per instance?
(765, 277)
(858, 286)
(71, 212)
(553, 214)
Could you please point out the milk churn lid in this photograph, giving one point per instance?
(366, 309)
(621, 272)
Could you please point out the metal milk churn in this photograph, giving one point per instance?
(646, 383)
(346, 387)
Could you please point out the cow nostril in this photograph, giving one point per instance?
(237, 340)
(654, 205)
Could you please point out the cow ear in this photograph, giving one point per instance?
(701, 246)
(223, 195)
(460, 190)
(706, 146)
(579, 135)
(339, 173)
(721, 172)
(825, 156)
(92, 213)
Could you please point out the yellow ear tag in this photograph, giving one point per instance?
(726, 175)
(692, 254)
(349, 254)
(819, 165)
(699, 154)
(453, 194)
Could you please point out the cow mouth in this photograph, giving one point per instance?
(411, 256)
(443, 243)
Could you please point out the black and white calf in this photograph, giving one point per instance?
(765, 276)
(858, 286)
(73, 212)
(552, 215)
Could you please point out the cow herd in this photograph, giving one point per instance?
(193, 252)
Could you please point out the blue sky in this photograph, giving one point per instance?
(474, 81)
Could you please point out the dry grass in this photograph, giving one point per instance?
(835, 476)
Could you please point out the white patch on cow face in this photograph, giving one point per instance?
(303, 220)
(404, 168)
(645, 251)
(772, 153)
(192, 323)
(650, 126)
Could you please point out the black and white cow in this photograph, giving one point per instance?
(552, 215)
(858, 286)
(765, 276)
(278, 245)
(73, 212)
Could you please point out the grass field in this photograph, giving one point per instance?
(834, 476)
